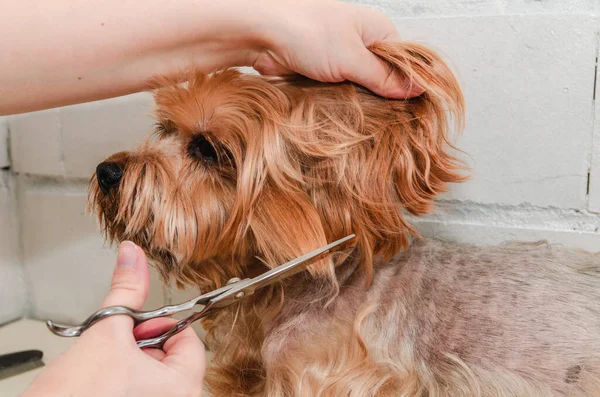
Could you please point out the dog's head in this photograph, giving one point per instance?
(244, 166)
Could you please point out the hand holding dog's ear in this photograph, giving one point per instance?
(105, 360)
(328, 41)
(322, 39)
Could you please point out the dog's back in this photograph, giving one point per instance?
(532, 310)
(445, 319)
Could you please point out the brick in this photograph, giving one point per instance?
(434, 8)
(12, 284)
(496, 224)
(66, 260)
(594, 178)
(4, 158)
(489, 234)
(528, 86)
(447, 8)
(93, 131)
(552, 7)
(36, 143)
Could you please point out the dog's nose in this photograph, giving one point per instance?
(109, 175)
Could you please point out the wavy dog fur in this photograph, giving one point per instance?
(247, 172)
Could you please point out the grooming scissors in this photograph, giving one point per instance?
(233, 292)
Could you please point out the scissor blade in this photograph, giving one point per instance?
(293, 266)
(248, 286)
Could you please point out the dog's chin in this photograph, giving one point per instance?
(162, 259)
(172, 266)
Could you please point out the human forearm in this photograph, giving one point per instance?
(64, 51)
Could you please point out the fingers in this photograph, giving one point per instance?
(129, 286)
(367, 69)
(151, 329)
(376, 75)
(186, 354)
(363, 67)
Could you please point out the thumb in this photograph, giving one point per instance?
(130, 282)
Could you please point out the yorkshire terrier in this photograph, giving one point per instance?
(246, 172)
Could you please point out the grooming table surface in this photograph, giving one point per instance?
(28, 334)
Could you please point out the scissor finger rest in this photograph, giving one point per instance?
(159, 341)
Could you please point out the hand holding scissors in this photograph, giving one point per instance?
(233, 292)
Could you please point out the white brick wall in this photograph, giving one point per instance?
(594, 185)
(90, 132)
(471, 8)
(68, 264)
(529, 86)
(528, 69)
(4, 157)
(12, 282)
(36, 143)
(70, 141)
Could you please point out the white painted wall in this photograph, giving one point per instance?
(12, 283)
(65, 259)
(527, 68)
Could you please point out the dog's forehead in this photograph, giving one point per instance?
(207, 102)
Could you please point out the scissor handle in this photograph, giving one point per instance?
(137, 316)
(160, 340)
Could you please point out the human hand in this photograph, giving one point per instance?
(105, 360)
(111, 48)
(327, 41)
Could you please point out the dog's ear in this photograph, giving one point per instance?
(284, 225)
(367, 159)
(423, 67)
(424, 164)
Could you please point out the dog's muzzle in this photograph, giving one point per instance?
(109, 175)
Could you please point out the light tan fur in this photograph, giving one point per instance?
(247, 172)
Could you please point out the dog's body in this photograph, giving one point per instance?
(246, 167)
(440, 319)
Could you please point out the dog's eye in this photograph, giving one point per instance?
(202, 149)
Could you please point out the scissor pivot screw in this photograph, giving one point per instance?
(240, 295)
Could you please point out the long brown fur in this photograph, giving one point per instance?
(300, 164)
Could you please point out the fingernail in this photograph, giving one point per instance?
(127, 255)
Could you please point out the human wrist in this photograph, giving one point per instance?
(234, 24)
(269, 22)
(243, 25)
(212, 35)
